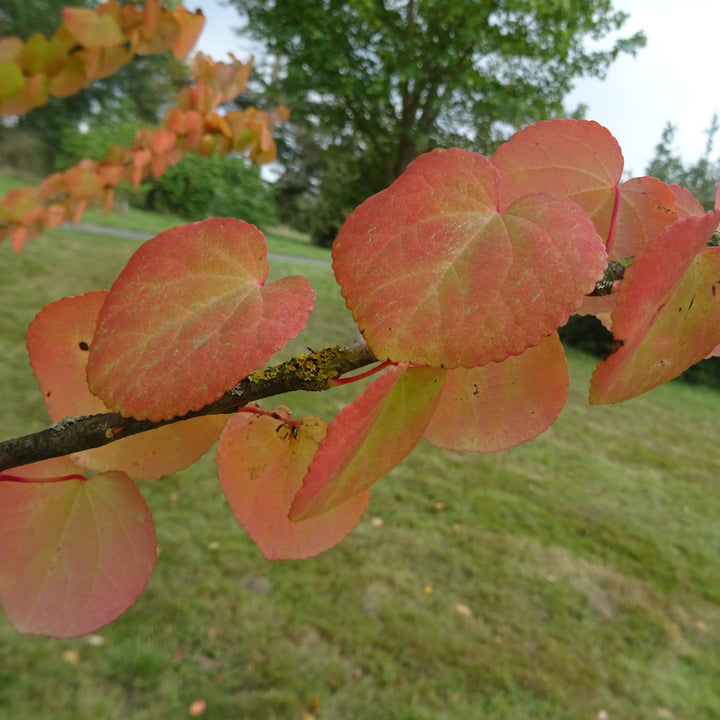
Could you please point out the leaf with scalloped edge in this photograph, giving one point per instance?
(189, 317)
(501, 405)
(436, 274)
(92, 29)
(647, 207)
(577, 158)
(74, 555)
(58, 342)
(667, 315)
(582, 160)
(261, 465)
(368, 438)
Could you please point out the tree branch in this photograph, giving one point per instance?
(312, 372)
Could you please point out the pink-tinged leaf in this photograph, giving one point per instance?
(597, 304)
(434, 274)
(52, 468)
(667, 316)
(369, 438)
(686, 204)
(576, 158)
(501, 405)
(261, 465)
(74, 555)
(647, 207)
(58, 342)
(189, 317)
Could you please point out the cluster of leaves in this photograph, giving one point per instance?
(89, 45)
(458, 275)
(192, 125)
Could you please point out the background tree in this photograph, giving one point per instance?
(377, 82)
(700, 177)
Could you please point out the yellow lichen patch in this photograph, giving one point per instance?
(311, 371)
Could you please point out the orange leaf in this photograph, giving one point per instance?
(501, 405)
(59, 339)
(435, 272)
(261, 465)
(91, 29)
(667, 315)
(74, 555)
(189, 317)
(369, 438)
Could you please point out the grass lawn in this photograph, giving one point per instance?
(573, 578)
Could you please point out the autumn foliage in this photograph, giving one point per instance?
(458, 276)
(93, 44)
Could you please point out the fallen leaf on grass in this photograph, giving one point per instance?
(197, 708)
(463, 610)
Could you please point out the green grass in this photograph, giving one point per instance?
(572, 575)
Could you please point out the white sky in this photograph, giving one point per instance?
(674, 78)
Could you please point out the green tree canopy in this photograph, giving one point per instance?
(374, 83)
(700, 177)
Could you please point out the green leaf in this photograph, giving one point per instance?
(261, 465)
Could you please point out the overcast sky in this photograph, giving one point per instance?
(674, 78)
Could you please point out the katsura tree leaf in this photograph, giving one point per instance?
(576, 158)
(647, 207)
(582, 160)
(667, 315)
(501, 405)
(92, 29)
(189, 317)
(59, 339)
(368, 438)
(261, 465)
(74, 555)
(434, 273)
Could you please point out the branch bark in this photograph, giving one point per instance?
(312, 372)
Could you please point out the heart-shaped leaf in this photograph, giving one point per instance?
(667, 315)
(74, 555)
(435, 274)
(501, 405)
(59, 339)
(189, 317)
(576, 158)
(369, 438)
(261, 465)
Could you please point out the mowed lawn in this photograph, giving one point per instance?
(573, 578)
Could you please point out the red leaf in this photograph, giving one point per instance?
(434, 274)
(667, 315)
(369, 438)
(58, 342)
(261, 465)
(501, 405)
(189, 317)
(74, 555)
(576, 158)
